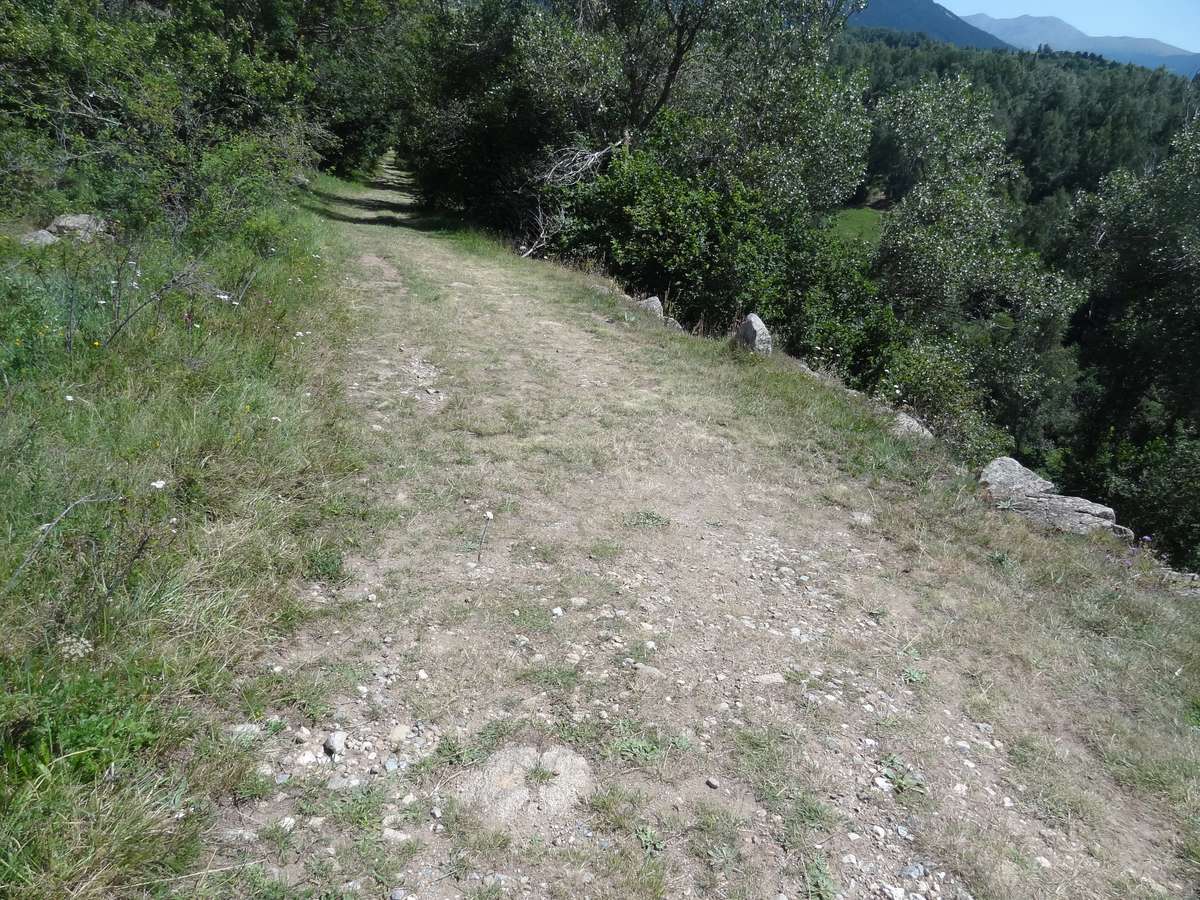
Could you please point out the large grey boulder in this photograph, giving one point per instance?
(651, 305)
(754, 336)
(78, 226)
(1014, 487)
(905, 425)
(41, 238)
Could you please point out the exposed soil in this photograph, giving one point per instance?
(592, 571)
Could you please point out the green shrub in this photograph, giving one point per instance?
(936, 382)
(704, 251)
(323, 563)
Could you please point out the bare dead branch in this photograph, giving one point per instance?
(46, 531)
(546, 226)
(571, 165)
(179, 279)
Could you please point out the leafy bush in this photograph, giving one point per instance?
(936, 380)
(64, 714)
(709, 252)
(949, 269)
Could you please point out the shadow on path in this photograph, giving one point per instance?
(390, 201)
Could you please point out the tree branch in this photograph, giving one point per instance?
(46, 530)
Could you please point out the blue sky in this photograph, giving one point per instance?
(1174, 21)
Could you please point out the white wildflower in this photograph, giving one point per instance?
(158, 485)
(74, 647)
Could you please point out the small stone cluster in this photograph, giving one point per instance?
(78, 227)
(653, 306)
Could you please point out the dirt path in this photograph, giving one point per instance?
(623, 634)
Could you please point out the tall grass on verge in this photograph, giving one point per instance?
(167, 439)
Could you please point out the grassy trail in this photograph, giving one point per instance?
(646, 618)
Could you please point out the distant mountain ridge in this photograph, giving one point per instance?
(1031, 32)
(929, 18)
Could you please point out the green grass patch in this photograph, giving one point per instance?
(858, 225)
(769, 760)
(454, 753)
(639, 745)
(818, 882)
(551, 678)
(646, 518)
(323, 563)
(171, 470)
(604, 550)
(713, 838)
(616, 807)
(531, 618)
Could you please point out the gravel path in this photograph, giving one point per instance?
(621, 635)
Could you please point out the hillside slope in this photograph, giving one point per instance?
(651, 619)
(1032, 32)
(925, 17)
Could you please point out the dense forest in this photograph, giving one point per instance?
(1069, 119)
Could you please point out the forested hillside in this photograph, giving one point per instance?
(1068, 119)
(1036, 32)
(925, 17)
